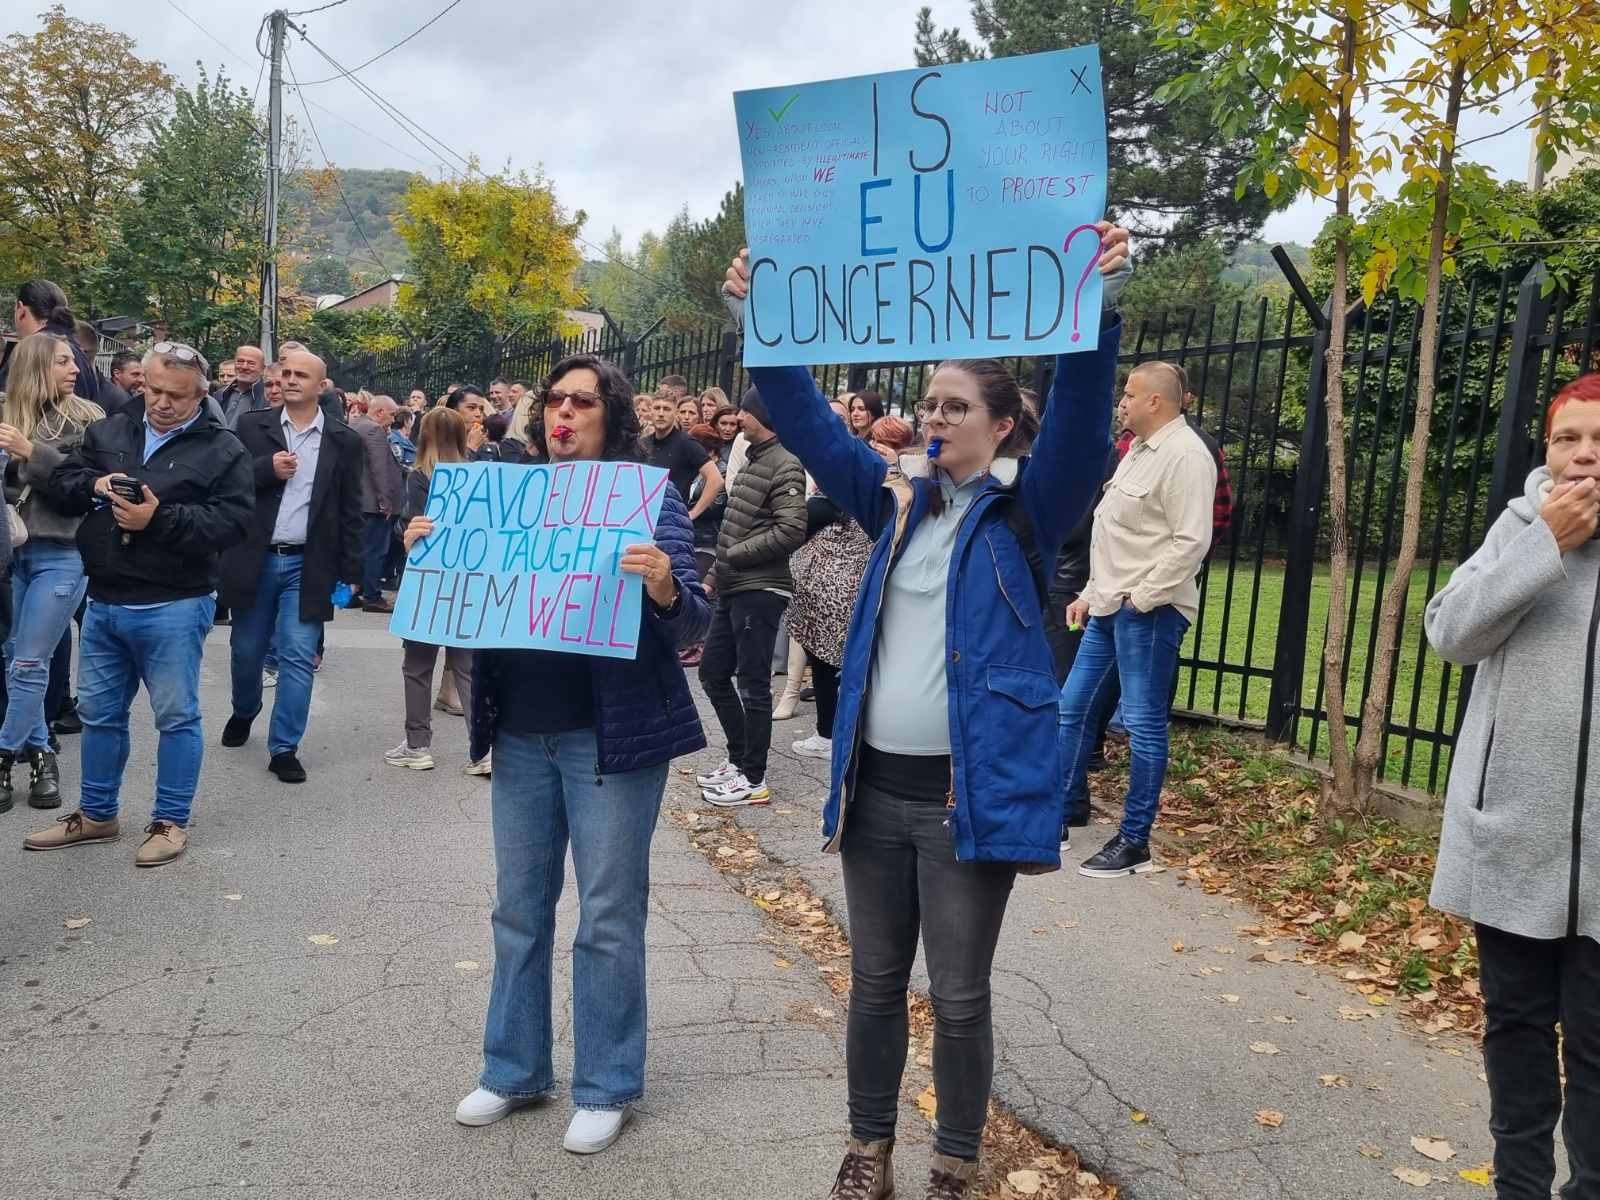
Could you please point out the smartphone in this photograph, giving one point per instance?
(128, 488)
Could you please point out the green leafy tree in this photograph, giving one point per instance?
(189, 243)
(324, 275)
(1172, 172)
(75, 104)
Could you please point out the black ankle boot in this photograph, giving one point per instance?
(7, 759)
(44, 780)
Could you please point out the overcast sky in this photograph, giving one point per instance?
(626, 103)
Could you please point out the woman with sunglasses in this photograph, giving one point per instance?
(945, 780)
(42, 421)
(581, 747)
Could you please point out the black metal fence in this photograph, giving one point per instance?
(1254, 654)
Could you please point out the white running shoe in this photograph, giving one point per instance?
(269, 678)
(482, 767)
(484, 1107)
(404, 755)
(594, 1129)
(713, 778)
(815, 746)
(737, 792)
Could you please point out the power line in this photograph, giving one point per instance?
(390, 50)
(403, 121)
(306, 12)
(376, 257)
(207, 32)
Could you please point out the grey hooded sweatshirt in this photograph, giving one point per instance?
(1525, 776)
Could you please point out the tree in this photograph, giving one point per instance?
(1172, 172)
(1320, 72)
(490, 255)
(75, 102)
(320, 276)
(189, 243)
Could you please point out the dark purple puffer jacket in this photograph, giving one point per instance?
(644, 714)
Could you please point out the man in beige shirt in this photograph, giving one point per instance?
(1152, 531)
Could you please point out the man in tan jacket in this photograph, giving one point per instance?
(1152, 530)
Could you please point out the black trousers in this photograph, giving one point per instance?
(744, 629)
(825, 679)
(1530, 985)
(901, 878)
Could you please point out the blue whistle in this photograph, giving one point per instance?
(934, 446)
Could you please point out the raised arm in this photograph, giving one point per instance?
(1490, 593)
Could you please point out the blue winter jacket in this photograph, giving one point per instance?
(644, 714)
(1006, 785)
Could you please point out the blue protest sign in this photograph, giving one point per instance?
(527, 557)
(940, 212)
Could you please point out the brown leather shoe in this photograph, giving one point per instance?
(165, 842)
(952, 1178)
(867, 1172)
(379, 605)
(75, 829)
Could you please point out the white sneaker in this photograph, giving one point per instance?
(713, 778)
(269, 678)
(483, 1107)
(594, 1129)
(815, 746)
(737, 792)
(482, 767)
(404, 755)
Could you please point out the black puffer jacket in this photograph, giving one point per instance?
(206, 490)
(765, 522)
(1072, 561)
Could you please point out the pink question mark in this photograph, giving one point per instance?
(1066, 246)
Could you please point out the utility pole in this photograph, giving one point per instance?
(269, 268)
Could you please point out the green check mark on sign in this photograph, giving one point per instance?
(777, 116)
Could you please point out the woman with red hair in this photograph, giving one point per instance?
(1513, 858)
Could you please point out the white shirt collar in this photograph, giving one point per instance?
(291, 430)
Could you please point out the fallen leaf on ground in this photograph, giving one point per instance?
(1138, 1116)
(726, 852)
(1368, 1150)
(1477, 1175)
(234, 896)
(322, 939)
(1435, 1148)
(1378, 1001)
(1025, 1183)
(927, 1102)
(1264, 1048)
(1412, 1176)
(77, 923)
(1351, 941)
(782, 963)
(1333, 1081)
(1177, 947)
(1087, 1179)
(825, 1013)
(1270, 1117)
(466, 964)
(1354, 1014)
(773, 897)
(1229, 998)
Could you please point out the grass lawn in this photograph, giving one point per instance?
(1225, 632)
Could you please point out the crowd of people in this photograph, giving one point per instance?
(975, 597)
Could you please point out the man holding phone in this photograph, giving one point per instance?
(166, 491)
(307, 535)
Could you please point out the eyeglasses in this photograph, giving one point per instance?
(951, 412)
(184, 354)
(579, 399)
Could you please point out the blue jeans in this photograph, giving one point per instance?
(272, 625)
(379, 529)
(1140, 650)
(544, 792)
(47, 584)
(161, 647)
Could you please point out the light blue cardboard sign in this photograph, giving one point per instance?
(940, 212)
(527, 557)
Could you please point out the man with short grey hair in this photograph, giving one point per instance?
(165, 492)
(245, 392)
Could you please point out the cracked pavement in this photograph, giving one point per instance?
(192, 1042)
(1097, 1017)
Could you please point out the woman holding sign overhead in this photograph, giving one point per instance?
(945, 783)
(581, 747)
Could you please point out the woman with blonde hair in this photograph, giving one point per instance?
(711, 400)
(442, 439)
(41, 422)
